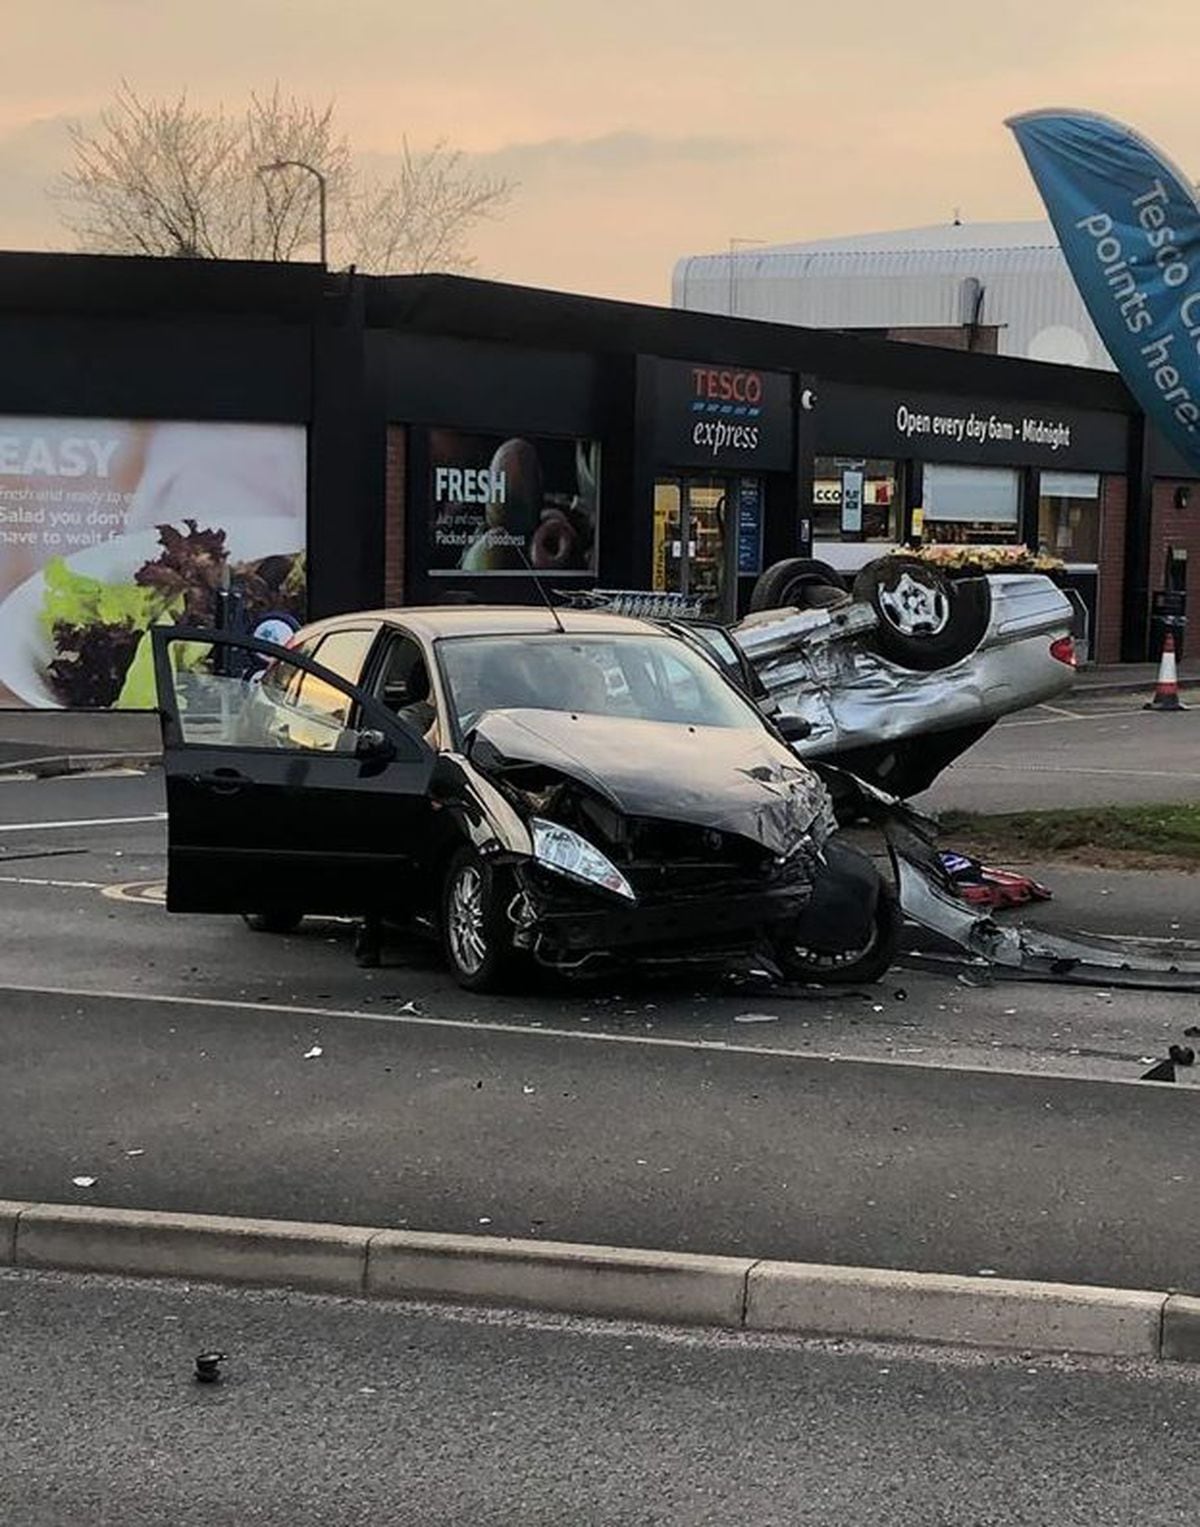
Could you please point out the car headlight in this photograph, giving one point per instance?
(560, 849)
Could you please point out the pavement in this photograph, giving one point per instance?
(336, 1412)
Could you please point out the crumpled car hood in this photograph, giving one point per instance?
(736, 781)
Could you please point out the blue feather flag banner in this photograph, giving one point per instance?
(1129, 225)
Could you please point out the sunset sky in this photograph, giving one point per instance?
(638, 131)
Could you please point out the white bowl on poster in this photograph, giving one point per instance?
(26, 649)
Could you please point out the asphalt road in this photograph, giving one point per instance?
(897, 1125)
(1080, 752)
(335, 1413)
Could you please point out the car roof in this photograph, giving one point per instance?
(434, 621)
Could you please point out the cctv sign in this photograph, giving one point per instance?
(722, 416)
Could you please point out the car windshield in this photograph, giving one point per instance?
(635, 677)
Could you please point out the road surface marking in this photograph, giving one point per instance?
(83, 885)
(1066, 715)
(153, 891)
(157, 816)
(999, 765)
(586, 1036)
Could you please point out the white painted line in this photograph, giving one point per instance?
(82, 885)
(586, 1036)
(156, 816)
(998, 765)
(1066, 715)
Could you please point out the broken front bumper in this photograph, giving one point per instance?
(1085, 959)
(567, 927)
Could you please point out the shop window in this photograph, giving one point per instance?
(971, 505)
(879, 494)
(1069, 516)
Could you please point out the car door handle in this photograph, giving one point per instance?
(222, 781)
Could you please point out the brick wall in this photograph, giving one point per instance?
(1180, 528)
(1111, 589)
(395, 519)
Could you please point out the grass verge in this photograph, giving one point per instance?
(1168, 836)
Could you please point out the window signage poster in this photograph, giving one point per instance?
(721, 416)
(109, 527)
(852, 502)
(750, 526)
(502, 505)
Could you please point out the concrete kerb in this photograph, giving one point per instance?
(731, 1293)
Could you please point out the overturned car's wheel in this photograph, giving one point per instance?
(926, 620)
(868, 962)
(476, 935)
(798, 581)
(277, 921)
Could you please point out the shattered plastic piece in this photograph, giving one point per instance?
(314, 1053)
(408, 1007)
(138, 1152)
(484, 1220)
(756, 1018)
(986, 1272)
(84, 1182)
(528, 1091)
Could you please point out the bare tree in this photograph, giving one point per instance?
(422, 219)
(165, 178)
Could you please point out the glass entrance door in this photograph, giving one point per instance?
(692, 544)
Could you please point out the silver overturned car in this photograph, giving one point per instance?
(893, 678)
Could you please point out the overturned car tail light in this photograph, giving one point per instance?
(1064, 650)
(558, 848)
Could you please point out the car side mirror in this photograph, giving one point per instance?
(793, 728)
(373, 745)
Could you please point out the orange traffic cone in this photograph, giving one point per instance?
(1166, 690)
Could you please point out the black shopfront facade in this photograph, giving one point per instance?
(460, 432)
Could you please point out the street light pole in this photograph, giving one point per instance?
(299, 164)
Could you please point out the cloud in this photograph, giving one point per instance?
(616, 151)
(620, 153)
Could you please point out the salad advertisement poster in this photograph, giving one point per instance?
(109, 527)
(506, 505)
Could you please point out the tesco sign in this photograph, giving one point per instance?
(715, 414)
(716, 384)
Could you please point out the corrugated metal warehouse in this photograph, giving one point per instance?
(998, 287)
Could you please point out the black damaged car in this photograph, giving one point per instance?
(575, 789)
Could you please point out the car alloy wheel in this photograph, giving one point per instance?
(466, 919)
(914, 608)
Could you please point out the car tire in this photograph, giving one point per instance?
(798, 581)
(277, 921)
(476, 936)
(925, 619)
(853, 966)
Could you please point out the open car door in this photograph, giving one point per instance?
(288, 789)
